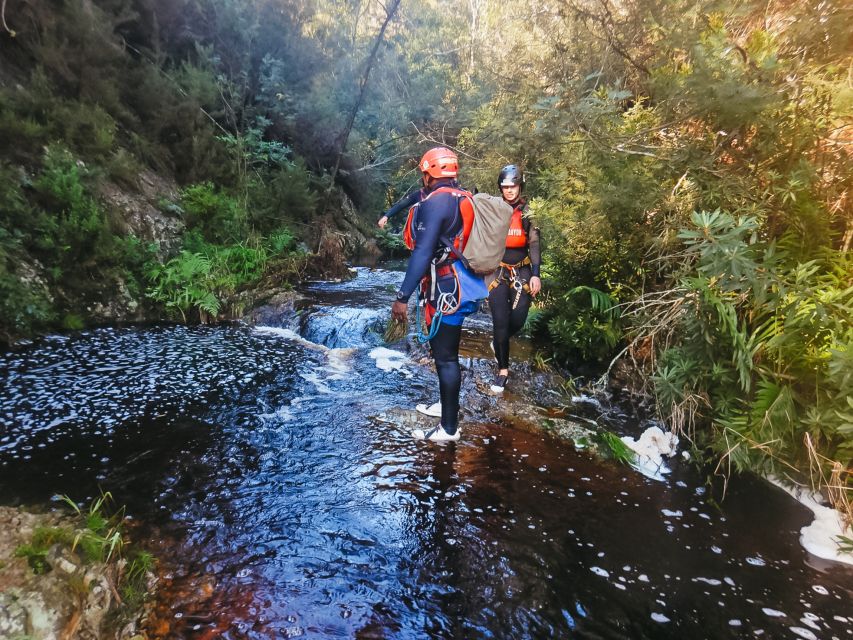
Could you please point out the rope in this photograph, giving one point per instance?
(445, 304)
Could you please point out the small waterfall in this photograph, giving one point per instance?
(343, 327)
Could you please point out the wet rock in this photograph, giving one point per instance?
(71, 601)
(149, 213)
(13, 617)
(62, 560)
(278, 311)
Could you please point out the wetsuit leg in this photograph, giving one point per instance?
(445, 351)
(501, 305)
(518, 316)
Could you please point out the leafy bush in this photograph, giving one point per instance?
(585, 328)
(74, 228)
(391, 243)
(762, 346)
(24, 311)
(286, 193)
(185, 283)
(281, 242)
(213, 213)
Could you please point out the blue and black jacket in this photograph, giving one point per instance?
(438, 218)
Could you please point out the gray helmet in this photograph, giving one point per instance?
(511, 176)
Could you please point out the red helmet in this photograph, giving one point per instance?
(440, 162)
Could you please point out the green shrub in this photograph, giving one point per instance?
(24, 311)
(585, 327)
(391, 243)
(281, 242)
(185, 283)
(74, 229)
(213, 213)
(761, 349)
(287, 193)
(124, 168)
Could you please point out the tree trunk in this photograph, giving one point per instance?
(357, 106)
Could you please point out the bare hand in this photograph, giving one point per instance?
(400, 311)
(535, 285)
(382, 222)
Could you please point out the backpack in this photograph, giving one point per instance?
(487, 240)
(465, 208)
(481, 242)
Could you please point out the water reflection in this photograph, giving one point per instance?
(254, 465)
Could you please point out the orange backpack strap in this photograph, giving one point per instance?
(465, 207)
(408, 234)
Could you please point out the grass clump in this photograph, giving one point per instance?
(617, 448)
(396, 330)
(97, 535)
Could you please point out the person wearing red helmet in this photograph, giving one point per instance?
(516, 281)
(436, 231)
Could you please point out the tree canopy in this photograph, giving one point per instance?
(689, 164)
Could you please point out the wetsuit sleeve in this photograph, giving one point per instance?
(436, 215)
(533, 248)
(403, 204)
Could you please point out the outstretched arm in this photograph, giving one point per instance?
(401, 205)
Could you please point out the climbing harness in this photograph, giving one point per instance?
(509, 273)
(446, 302)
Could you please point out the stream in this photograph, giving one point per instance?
(259, 465)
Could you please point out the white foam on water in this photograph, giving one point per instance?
(811, 620)
(756, 562)
(819, 538)
(283, 414)
(804, 633)
(587, 400)
(659, 617)
(290, 334)
(734, 622)
(650, 449)
(318, 382)
(339, 359)
(820, 589)
(390, 360)
(712, 581)
(774, 613)
(671, 514)
(600, 572)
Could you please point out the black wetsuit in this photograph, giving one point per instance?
(506, 319)
(437, 218)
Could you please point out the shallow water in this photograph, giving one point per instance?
(255, 464)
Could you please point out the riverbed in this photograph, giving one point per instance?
(260, 465)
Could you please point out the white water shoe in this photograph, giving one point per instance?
(433, 410)
(436, 434)
(499, 384)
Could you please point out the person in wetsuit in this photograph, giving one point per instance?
(403, 204)
(438, 218)
(516, 281)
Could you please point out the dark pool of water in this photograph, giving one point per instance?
(254, 467)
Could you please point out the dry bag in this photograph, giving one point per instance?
(487, 241)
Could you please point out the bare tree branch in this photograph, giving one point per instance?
(371, 59)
